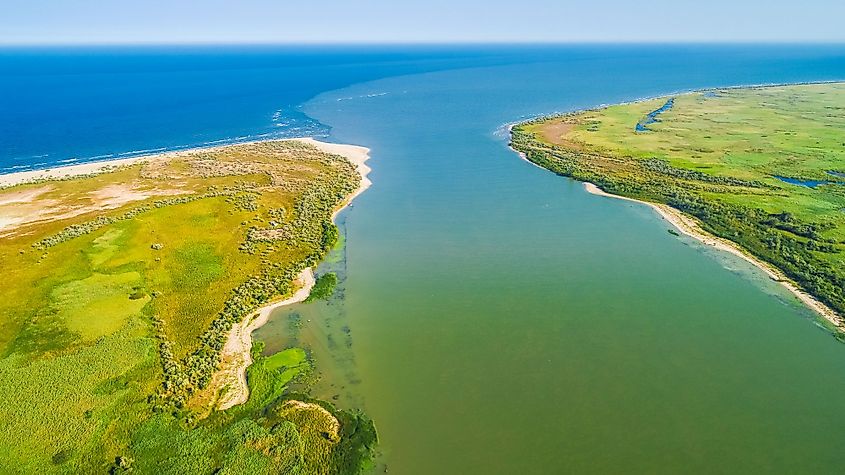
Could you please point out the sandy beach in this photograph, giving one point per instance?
(690, 227)
(16, 178)
(236, 357)
(356, 154)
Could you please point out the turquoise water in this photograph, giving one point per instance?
(493, 318)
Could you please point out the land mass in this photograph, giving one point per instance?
(753, 171)
(132, 292)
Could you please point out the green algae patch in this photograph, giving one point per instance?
(290, 358)
(324, 287)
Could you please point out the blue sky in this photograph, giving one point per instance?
(399, 21)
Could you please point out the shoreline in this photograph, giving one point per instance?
(350, 152)
(522, 155)
(689, 227)
(99, 166)
(229, 382)
(236, 356)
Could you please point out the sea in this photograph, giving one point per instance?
(492, 318)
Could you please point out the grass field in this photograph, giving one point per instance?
(119, 291)
(763, 167)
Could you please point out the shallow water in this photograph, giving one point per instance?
(502, 320)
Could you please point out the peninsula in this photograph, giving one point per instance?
(132, 291)
(756, 171)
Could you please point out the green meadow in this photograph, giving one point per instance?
(120, 289)
(763, 167)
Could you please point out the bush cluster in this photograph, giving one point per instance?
(309, 227)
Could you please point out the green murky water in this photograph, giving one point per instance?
(496, 319)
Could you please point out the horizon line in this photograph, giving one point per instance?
(353, 43)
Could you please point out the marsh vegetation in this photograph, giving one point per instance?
(757, 166)
(121, 289)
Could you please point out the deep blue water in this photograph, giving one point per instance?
(74, 104)
(63, 105)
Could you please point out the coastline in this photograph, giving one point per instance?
(522, 155)
(236, 355)
(99, 166)
(353, 153)
(689, 227)
(229, 382)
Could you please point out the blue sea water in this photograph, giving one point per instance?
(63, 105)
(497, 319)
(74, 104)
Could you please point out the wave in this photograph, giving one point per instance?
(282, 126)
(97, 157)
(141, 152)
(30, 157)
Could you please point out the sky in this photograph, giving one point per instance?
(418, 21)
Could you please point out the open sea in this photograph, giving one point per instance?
(492, 318)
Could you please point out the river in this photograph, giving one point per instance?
(495, 318)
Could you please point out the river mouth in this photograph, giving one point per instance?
(504, 321)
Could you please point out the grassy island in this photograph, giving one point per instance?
(124, 288)
(760, 168)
